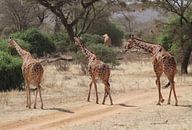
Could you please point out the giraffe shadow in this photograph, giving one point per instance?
(59, 109)
(125, 105)
(190, 106)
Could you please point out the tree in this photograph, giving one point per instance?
(181, 8)
(76, 15)
(21, 14)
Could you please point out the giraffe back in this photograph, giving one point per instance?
(33, 71)
(99, 69)
(167, 60)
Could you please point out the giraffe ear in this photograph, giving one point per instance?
(131, 36)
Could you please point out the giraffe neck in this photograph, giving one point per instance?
(149, 47)
(88, 53)
(20, 51)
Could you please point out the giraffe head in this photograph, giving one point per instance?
(130, 42)
(10, 41)
(77, 41)
(105, 35)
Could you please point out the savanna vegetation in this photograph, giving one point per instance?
(47, 27)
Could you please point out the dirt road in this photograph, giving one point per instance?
(92, 112)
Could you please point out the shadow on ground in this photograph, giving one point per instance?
(59, 109)
(125, 105)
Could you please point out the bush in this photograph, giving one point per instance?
(63, 43)
(10, 72)
(106, 54)
(40, 43)
(111, 29)
(169, 40)
(4, 46)
(92, 39)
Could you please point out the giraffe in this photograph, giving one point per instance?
(107, 40)
(32, 72)
(163, 62)
(97, 69)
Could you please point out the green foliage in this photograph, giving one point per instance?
(4, 46)
(10, 72)
(111, 29)
(106, 54)
(169, 38)
(63, 43)
(40, 43)
(92, 39)
(94, 44)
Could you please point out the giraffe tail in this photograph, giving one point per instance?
(167, 85)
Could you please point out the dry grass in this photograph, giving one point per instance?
(69, 88)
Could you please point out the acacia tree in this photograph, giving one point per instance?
(181, 8)
(21, 14)
(76, 15)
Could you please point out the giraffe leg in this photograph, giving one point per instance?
(176, 101)
(97, 98)
(105, 95)
(90, 86)
(107, 92)
(26, 90)
(29, 98)
(170, 76)
(39, 89)
(27, 105)
(161, 100)
(171, 88)
(36, 98)
(158, 69)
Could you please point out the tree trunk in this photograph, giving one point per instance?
(185, 60)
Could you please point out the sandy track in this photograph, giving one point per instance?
(89, 112)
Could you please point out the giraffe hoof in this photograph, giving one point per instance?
(158, 104)
(41, 107)
(111, 103)
(168, 103)
(103, 103)
(34, 107)
(162, 100)
(176, 104)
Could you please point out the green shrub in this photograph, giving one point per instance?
(91, 39)
(169, 40)
(63, 43)
(10, 72)
(40, 43)
(111, 29)
(106, 54)
(4, 46)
